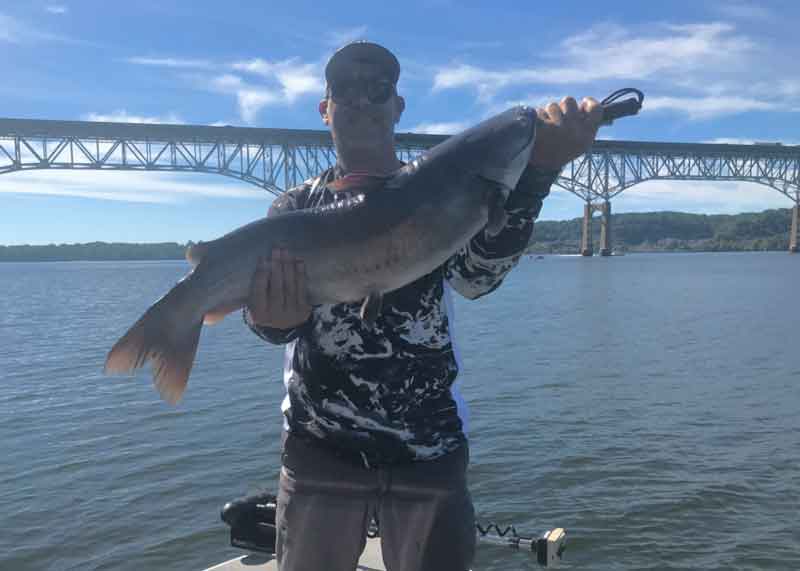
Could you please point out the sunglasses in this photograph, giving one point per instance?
(349, 91)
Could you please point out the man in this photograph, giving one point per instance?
(374, 424)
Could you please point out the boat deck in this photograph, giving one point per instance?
(371, 560)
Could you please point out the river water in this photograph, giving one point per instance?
(646, 403)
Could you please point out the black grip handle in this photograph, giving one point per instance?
(613, 109)
(621, 109)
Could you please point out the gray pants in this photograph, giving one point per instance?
(427, 521)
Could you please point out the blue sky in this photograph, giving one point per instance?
(723, 71)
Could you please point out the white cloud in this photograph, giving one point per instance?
(609, 51)
(532, 100)
(295, 78)
(56, 9)
(743, 141)
(285, 80)
(479, 45)
(274, 83)
(17, 32)
(700, 197)
(298, 82)
(704, 70)
(8, 31)
(697, 197)
(251, 99)
(486, 82)
(14, 31)
(452, 127)
(227, 82)
(142, 187)
(172, 62)
(441, 128)
(122, 116)
(730, 141)
(699, 108)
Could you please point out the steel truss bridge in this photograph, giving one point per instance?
(277, 159)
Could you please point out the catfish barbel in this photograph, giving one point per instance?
(357, 249)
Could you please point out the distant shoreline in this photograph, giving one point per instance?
(649, 232)
(528, 254)
(47, 255)
(94, 252)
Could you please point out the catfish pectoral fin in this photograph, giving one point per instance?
(218, 313)
(371, 308)
(497, 212)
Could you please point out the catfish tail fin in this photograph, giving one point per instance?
(167, 341)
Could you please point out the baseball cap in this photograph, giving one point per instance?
(366, 52)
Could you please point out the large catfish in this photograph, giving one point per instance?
(386, 237)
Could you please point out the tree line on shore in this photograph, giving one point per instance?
(672, 231)
(635, 232)
(92, 251)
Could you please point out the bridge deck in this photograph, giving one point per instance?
(276, 159)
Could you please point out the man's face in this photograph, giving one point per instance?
(362, 107)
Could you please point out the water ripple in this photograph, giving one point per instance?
(646, 404)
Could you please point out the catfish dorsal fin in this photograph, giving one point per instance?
(196, 252)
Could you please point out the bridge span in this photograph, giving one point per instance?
(277, 159)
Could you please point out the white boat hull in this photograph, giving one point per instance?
(371, 560)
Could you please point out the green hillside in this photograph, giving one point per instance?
(673, 231)
(93, 251)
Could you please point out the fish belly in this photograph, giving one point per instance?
(390, 260)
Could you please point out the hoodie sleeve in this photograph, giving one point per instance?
(480, 267)
(293, 199)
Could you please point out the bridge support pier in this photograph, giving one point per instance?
(587, 248)
(605, 228)
(795, 227)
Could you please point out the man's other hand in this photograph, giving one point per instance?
(565, 131)
(278, 295)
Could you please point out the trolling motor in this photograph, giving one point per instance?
(548, 548)
(252, 523)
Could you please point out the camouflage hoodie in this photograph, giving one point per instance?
(385, 395)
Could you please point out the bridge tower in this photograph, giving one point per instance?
(587, 239)
(605, 228)
(793, 247)
(587, 246)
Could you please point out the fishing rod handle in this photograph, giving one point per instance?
(620, 109)
(614, 109)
